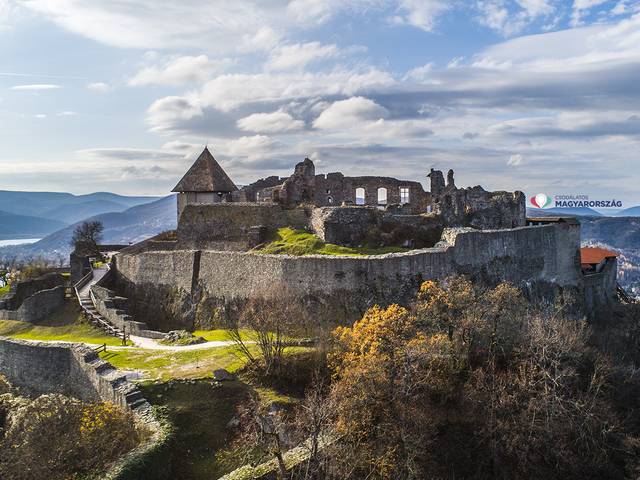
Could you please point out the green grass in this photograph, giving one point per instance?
(4, 290)
(65, 324)
(168, 364)
(287, 241)
(217, 335)
(200, 414)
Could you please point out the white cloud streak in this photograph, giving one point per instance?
(35, 87)
(176, 71)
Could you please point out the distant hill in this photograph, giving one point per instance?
(629, 212)
(64, 207)
(569, 211)
(133, 225)
(24, 226)
(75, 212)
(35, 204)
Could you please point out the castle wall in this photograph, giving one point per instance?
(541, 255)
(335, 188)
(600, 288)
(225, 226)
(37, 306)
(20, 291)
(72, 369)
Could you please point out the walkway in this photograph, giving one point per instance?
(140, 342)
(84, 295)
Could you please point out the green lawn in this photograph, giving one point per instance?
(168, 364)
(66, 324)
(218, 335)
(287, 241)
(200, 414)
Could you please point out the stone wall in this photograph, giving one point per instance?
(37, 306)
(72, 369)
(600, 288)
(335, 188)
(226, 226)
(368, 225)
(20, 291)
(75, 370)
(474, 206)
(115, 309)
(542, 258)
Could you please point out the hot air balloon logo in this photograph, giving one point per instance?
(540, 200)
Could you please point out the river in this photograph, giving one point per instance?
(19, 241)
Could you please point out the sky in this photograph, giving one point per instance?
(541, 96)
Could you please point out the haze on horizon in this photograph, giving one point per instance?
(534, 95)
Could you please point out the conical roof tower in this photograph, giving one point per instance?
(205, 175)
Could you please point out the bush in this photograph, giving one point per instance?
(57, 437)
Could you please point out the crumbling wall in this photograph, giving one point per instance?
(474, 206)
(33, 299)
(368, 225)
(226, 226)
(115, 309)
(542, 258)
(335, 188)
(20, 291)
(600, 288)
(75, 370)
(37, 306)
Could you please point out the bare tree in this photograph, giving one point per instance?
(267, 319)
(87, 236)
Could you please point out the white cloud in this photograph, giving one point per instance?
(346, 113)
(64, 114)
(299, 55)
(564, 50)
(421, 13)
(276, 122)
(579, 7)
(515, 160)
(253, 148)
(265, 39)
(102, 87)
(500, 15)
(40, 115)
(34, 87)
(173, 107)
(420, 74)
(156, 24)
(176, 71)
(228, 92)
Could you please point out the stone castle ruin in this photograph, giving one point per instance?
(200, 275)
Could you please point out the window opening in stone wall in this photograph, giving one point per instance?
(404, 194)
(382, 196)
(329, 201)
(359, 196)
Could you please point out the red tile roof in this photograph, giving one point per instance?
(595, 255)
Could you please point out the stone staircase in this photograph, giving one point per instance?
(83, 293)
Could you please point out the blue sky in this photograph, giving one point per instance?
(541, 96)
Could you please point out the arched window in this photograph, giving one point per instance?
(329, 201)
(359, 196)
(382, 196)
